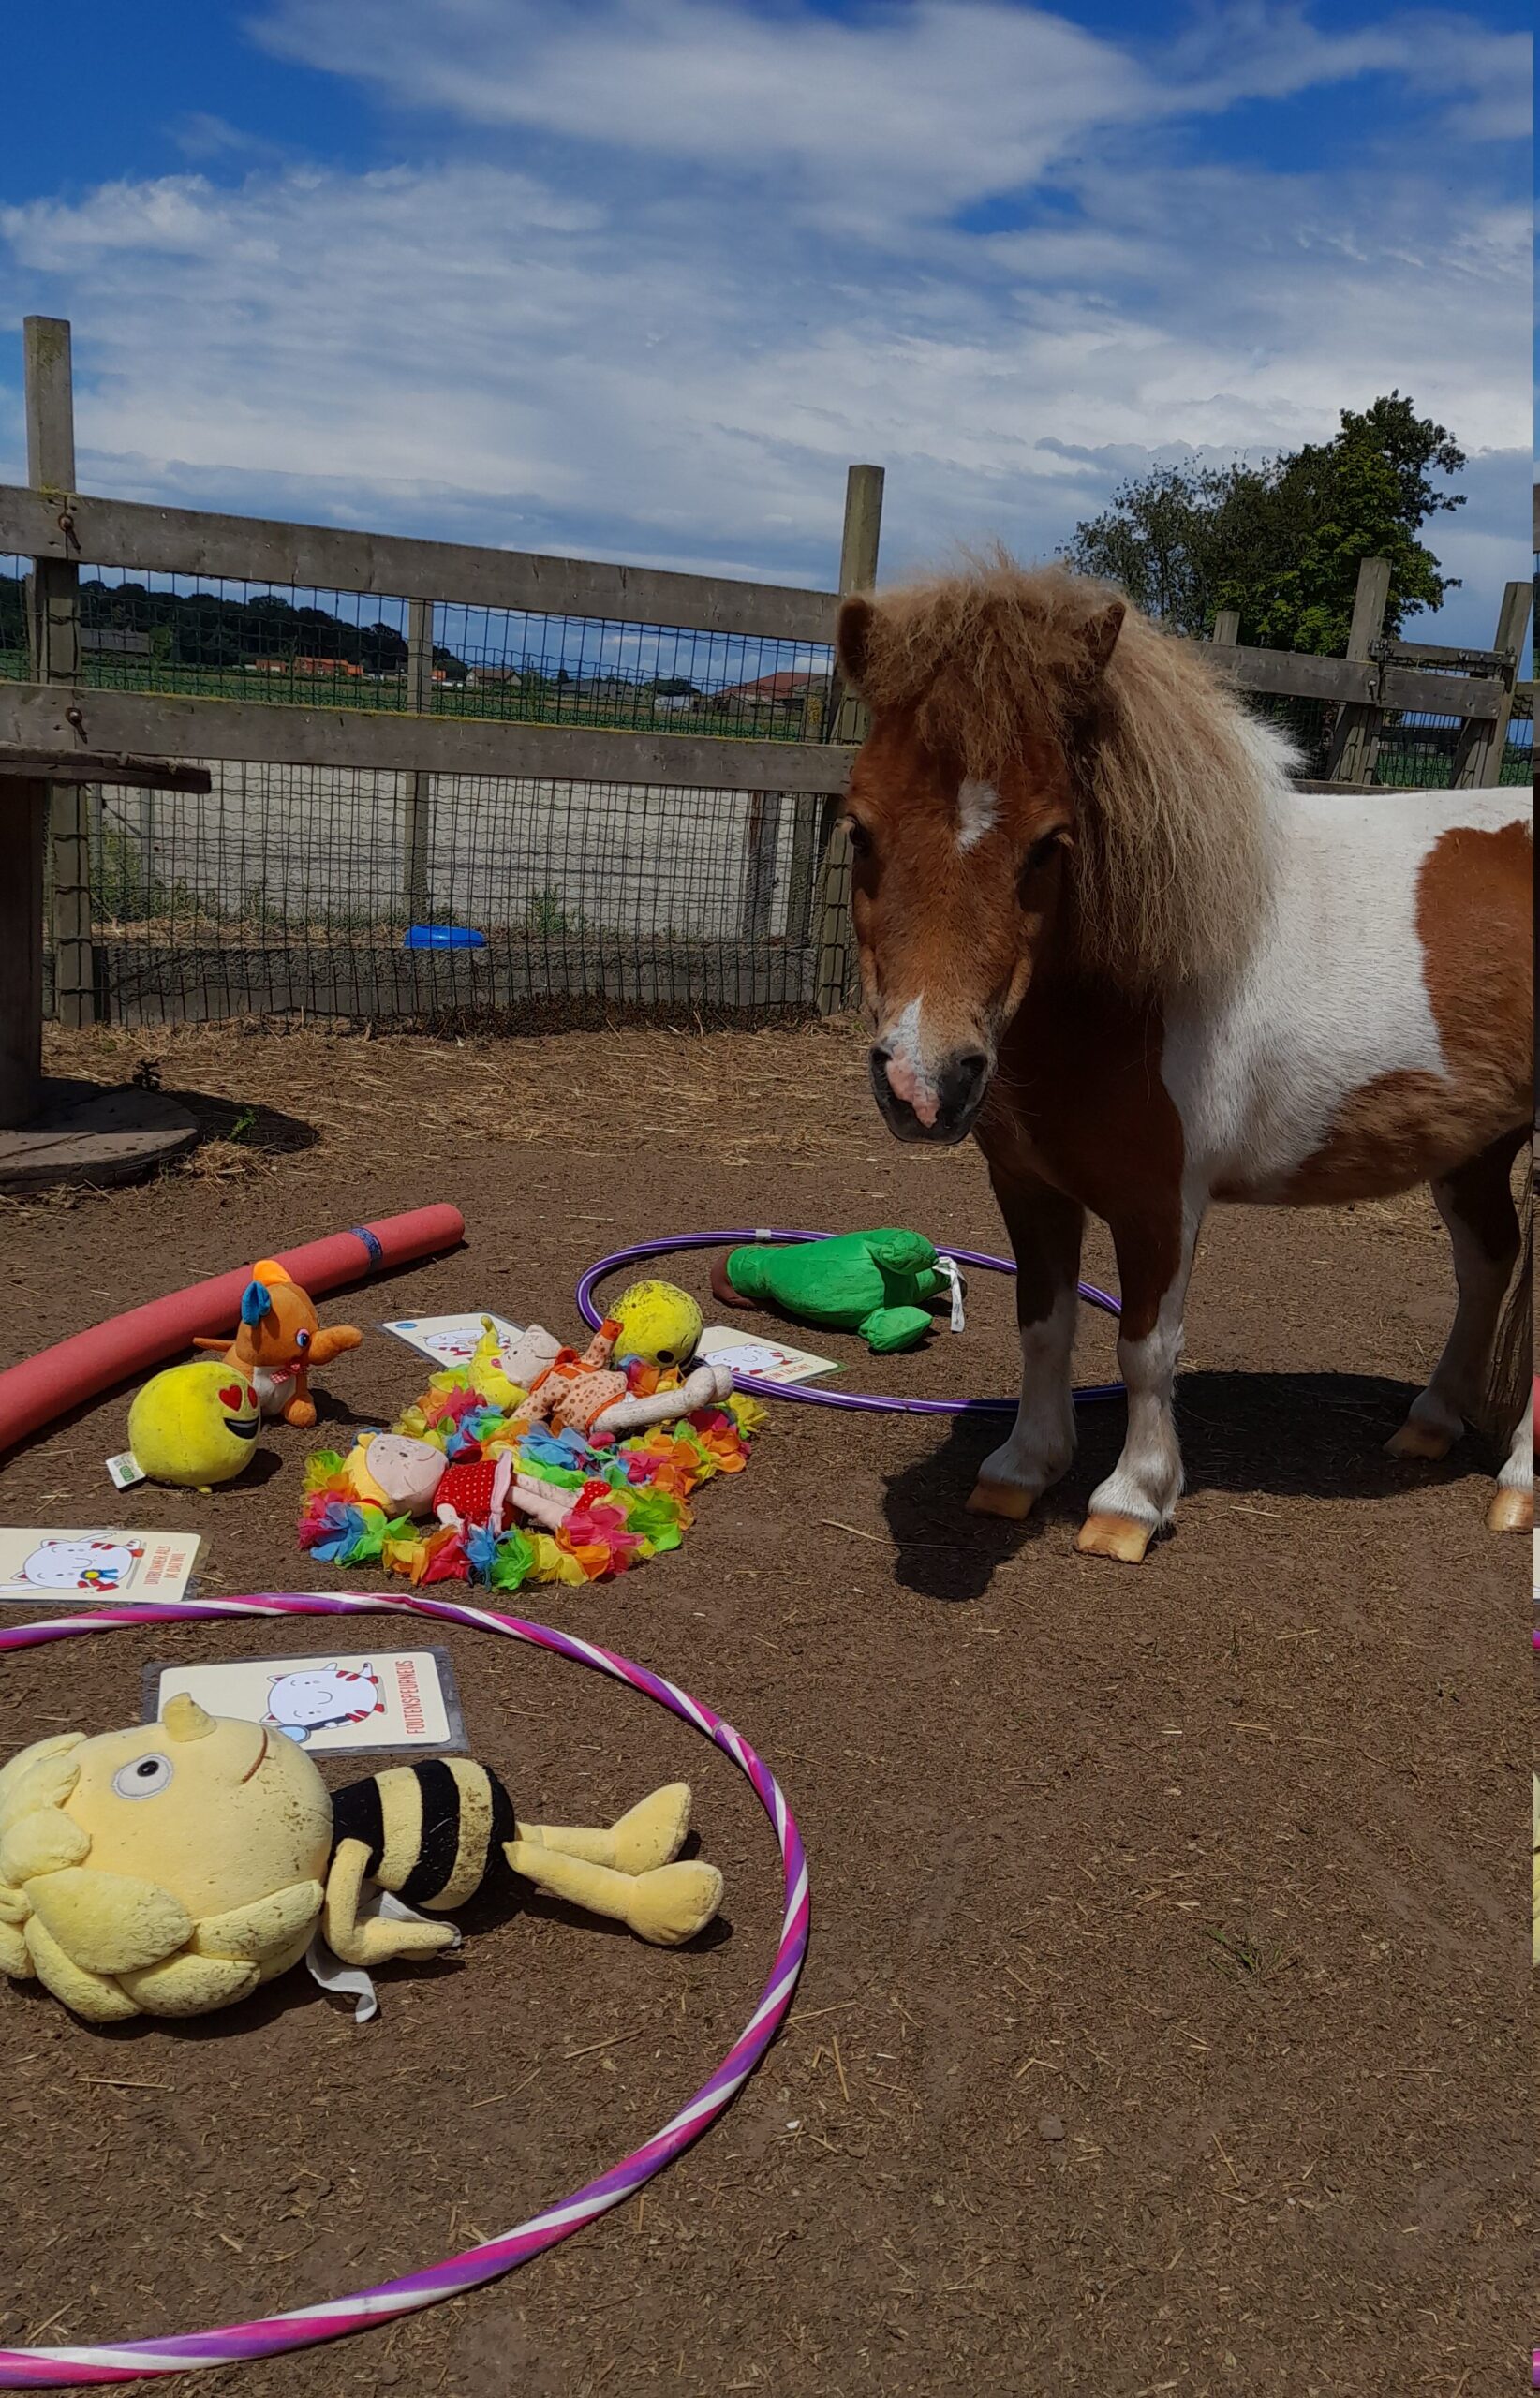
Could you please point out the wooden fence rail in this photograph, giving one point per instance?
(76, 530)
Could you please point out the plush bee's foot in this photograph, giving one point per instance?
(673, 1902)
(667, 1905)
(653, 1831)
(649, 1834)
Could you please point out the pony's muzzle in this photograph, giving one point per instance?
(938, 1106)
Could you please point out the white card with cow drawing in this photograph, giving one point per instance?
(450, 1339)
(47, 1563)
(750, 1353)
(330, 1702)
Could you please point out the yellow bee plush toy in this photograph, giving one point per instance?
(171, 1868)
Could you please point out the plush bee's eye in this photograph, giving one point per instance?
(301, 1341)
(143, 1777)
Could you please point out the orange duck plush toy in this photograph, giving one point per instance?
(278, 1342)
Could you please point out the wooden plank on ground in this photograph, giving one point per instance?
(332, 558)
(377, 740)
(82, 1132)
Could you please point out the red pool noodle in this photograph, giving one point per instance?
(55, 1380)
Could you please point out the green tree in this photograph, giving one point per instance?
(1282, 542)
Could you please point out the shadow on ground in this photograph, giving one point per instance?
(1314, 1435)
(264, 1131)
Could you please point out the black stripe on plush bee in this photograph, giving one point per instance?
(171, 1868)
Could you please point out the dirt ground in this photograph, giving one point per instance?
(1160, 2031)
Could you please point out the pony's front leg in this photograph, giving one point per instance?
(1139, 1497)
(1044, 1229)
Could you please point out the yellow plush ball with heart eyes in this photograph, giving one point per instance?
(195, 1425)
(165, 1869)
(658, 1323)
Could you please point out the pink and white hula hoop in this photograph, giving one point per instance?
(308, 2326)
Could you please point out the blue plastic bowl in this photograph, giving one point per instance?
(442, 936)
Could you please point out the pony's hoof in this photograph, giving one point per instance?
(1511, 1511)
(1422, 1440)
(1123, 1538)
(1007, 1500)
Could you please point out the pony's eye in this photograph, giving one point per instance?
(1040, 851)
(858, 837)
(143, 1778)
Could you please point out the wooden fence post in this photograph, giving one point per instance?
(417, 789)
(761, 839)
(1355, 740)
(55, 642)
(25, 803)
(1478, 752)
(858, 550)
(1227, 632)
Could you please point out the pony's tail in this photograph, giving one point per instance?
(1509, 1375)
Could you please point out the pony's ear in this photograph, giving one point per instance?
(852, 635)
(1099, 635)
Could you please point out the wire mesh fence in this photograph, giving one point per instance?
(13, 619)
(528, 904)
(221, 638)
(489, 901)
(1416, 747)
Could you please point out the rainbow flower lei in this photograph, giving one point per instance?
(632, 1496)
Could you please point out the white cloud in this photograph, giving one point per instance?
(559, 347)
(914, 110)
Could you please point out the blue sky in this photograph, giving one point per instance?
(637, 279)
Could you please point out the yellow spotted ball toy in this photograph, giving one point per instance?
(658, 1323)
(195, 1425)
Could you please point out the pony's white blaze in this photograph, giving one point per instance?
(978, 812)
(1335, 994)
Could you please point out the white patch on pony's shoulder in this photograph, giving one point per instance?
(978, 812)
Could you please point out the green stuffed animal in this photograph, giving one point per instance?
(882, 1284)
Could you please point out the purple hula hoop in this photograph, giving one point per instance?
(869, 1402)
(305, 2327)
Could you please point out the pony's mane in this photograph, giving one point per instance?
(1171, 856)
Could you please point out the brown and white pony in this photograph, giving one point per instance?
(1099, 929)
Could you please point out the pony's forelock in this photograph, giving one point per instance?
(1172, 775)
